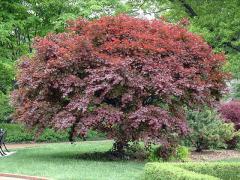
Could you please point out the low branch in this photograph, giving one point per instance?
(187, 7)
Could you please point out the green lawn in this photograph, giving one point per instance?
(81, 161)
(67, 161)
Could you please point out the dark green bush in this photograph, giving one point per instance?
(192, 171)
(208, 130)
(17, 133)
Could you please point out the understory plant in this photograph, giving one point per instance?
(124, 76)
(161, 153)
(207, 129)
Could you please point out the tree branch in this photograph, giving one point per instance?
(188, 8)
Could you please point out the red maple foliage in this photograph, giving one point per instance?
(230, 111)
(124, 76)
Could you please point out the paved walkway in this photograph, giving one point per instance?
(11, 178)
(17, 146)
(7, 176)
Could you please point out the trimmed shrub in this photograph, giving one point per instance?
(18, 134)
(207, 130)
(192, 171)
(222, 170)
(107, 75)
(164, 171)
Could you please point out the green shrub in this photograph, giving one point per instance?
(192, 171)
(95, 135)
(17, 134)
(208, 130)
(181, 153)
(50, 135)
(164, 171)
(222, 170)
(238, 144)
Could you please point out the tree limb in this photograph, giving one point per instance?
(187, 7)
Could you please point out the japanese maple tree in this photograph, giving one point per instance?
(124, 76)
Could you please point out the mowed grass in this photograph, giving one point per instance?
(81, 161)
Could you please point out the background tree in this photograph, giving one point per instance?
(22, 20)
(128, 82)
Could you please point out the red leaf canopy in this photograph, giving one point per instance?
(124, 76)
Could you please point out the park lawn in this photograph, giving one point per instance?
(67, 161)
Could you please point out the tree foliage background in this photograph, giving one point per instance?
(22, 20)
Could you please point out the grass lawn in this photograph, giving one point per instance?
(81, 161)
(67, 161)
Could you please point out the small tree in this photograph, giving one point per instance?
(121, 75)
(230, 111)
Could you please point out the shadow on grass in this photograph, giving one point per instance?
(107, 156)
(88, 156)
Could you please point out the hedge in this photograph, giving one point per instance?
(18, 134)
(193, 171)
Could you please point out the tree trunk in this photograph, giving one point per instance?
(119, 148)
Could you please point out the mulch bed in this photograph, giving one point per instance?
(210, 155)
(24, 145)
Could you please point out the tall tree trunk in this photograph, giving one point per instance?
(119, 148)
